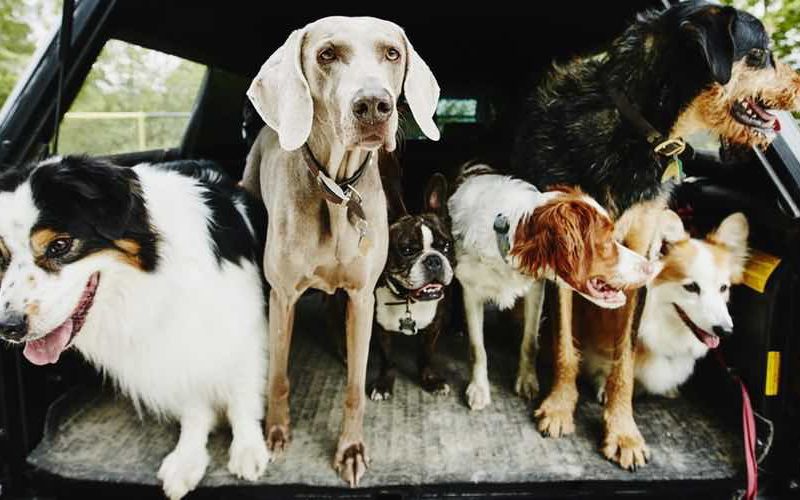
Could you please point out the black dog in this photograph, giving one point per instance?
(692, 67)
(411, 296)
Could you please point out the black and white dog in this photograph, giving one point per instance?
(410, 298)
(144, 270)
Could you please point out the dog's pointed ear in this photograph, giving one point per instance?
(732, 234)
(280, 93)
(81, 189)
(436, 195)
(712, 29)
(421, 90)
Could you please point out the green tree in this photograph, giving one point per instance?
(16, 45)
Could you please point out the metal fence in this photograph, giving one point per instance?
(111, 132)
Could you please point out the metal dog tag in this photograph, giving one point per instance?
(408, 325)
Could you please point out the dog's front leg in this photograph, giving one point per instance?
(527, 385)
(281, 324)
(430, 378)
(382, 388)
(623, 443)
(478, 395)
(185, 466)
(555, 414)
(351, 458)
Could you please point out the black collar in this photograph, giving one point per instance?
(397, 290)
(663, 146)
(342, 192)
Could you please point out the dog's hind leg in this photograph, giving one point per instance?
(351, 459)
(281, 324)
(478, 395)
(623, 443)
(185, 466)
(527, 385)
(555, 414)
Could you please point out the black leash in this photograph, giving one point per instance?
(64, 45)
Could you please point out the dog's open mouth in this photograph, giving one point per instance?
(605, 293)
(751, 112)
(708, 338)
(48, 349)
(431, 291)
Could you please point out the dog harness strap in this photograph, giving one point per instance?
(662, 146)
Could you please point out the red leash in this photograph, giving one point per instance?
(748, 432)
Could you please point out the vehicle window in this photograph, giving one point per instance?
(25, 26)
(133, 99)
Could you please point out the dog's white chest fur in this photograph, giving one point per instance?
(389, 316)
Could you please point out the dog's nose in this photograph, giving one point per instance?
(14, 326)
(372, 106)
(433, 262)
(722, 331)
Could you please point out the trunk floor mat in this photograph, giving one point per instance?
(413, 439)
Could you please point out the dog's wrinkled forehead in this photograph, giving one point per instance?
(353, 30)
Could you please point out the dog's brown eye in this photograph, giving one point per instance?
(407, 251)
(392, 54)
(757, 58)
(58, 247)
(692, 287)
(327, 55)
(723, 288)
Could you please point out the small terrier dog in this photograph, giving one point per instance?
(411, 295)
(509, 237)
(685, 313)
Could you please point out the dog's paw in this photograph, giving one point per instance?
(673, 393)
(381, 389)
(277, 439)
(248, 460)
(555, 417)
(181, 471)
(624, 445)
(435, 384)
(351, 462)
(478, 395)
(527, 385)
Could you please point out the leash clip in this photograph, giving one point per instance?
(670, 147)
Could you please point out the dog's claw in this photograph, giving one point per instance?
(627, 449)
(277, 440)
(527, 385)
(352, 463)
(555, 418)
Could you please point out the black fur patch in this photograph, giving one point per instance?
(232, 238)
(96, 203)
(573, 133)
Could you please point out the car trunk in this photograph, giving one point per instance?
(421, 445)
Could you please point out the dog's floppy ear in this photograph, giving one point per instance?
(436, 195)
(421, 90)
(280, 93)
(83, 190)
(732, 234)
(670, 231)
(712, 29)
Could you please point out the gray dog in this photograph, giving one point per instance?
(329, 96)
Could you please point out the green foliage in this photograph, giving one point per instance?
(16, 45)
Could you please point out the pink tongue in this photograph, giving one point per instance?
(48, 349)
(712, 341)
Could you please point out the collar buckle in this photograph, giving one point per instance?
(670, 147)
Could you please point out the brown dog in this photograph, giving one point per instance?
(328, 96)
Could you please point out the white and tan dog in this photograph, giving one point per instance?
(685, 313)
(329, 97)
